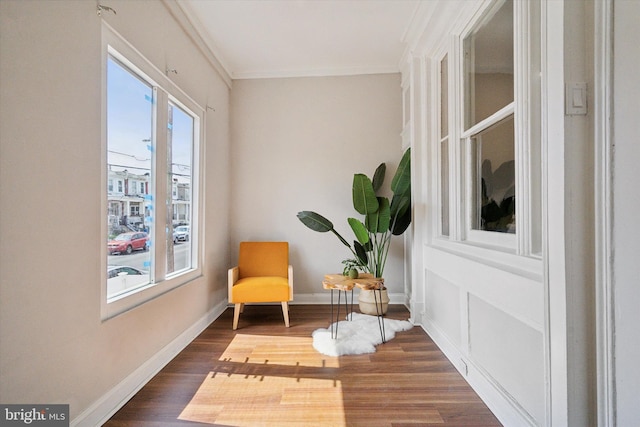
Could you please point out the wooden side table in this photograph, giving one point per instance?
(344, 284)
(339, 283)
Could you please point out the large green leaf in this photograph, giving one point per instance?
(385, 215)
(364, 198)
(359, 230)
(402, 179)
(361, 252)
(399, 204)
(378, 222)
(378, 176)
(315, 221)
(402, 223)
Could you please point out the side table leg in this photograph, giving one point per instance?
(380, 314)
(346, 305)
(331, 318)
(351, 312)
(338, 314)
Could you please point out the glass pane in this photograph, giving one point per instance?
(129, 201)
(444, 97)
(493, 178)
(488, 65)
(180, 138)
(444, 186)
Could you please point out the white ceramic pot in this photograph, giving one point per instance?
(367, 302)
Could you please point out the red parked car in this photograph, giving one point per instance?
(126, 243)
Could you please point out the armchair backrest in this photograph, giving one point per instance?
(263, 259)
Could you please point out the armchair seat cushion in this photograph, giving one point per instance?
(261, 289)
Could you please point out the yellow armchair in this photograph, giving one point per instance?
(263, 274)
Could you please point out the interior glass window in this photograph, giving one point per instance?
(488, 65)
(493, 178)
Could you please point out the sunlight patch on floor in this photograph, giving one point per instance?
(265, 380)
(276, 350)
(248, 400)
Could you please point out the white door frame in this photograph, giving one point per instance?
(605, 326)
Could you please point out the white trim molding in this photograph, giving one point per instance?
(605, 320)
(194, 28)
(553, 216)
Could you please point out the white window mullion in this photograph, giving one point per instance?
(501, 114)
(433, 134)
(197, 194)
(456, 170)
(159, 246)
(522, 126)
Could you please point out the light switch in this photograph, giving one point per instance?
(576, 99)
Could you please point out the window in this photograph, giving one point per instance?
(488, 151)
(488, 130)
(130, 121)
(152, 141)
(180, 130)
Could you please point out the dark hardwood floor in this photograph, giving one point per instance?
(264, 374)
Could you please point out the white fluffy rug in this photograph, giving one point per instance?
(358, 336)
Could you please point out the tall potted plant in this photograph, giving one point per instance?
(381, 220)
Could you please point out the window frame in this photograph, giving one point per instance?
(439, 150)
(165, 91)
(522, 249)
(195, 185)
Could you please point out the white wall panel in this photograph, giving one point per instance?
(520, 297)
(442, 306)
(510, 352)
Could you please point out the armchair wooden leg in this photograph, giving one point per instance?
(285, 312)
(236, 314)
(241, 308)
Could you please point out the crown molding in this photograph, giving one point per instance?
(316, 72)
(434, 20)
(195, 30)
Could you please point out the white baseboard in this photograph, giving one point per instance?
(503, 406)
(104, 408)
(417, 312)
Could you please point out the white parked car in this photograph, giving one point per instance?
(181, 234)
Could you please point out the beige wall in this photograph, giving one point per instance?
(54, 347)
(296, 144)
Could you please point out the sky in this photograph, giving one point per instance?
(130, 121)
